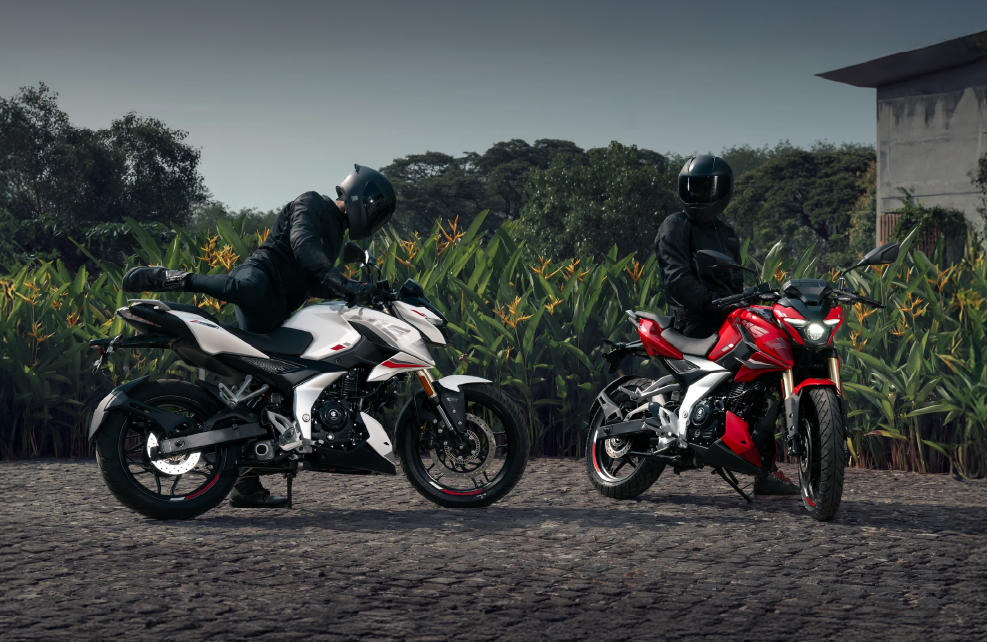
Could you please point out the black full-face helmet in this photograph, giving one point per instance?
(705, 187)
(369, 199)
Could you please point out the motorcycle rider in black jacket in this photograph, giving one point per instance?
(705, 189)
(293, 264)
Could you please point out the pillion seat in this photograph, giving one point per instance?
(689, 345)
(287, 341)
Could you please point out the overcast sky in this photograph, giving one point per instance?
(283, 97)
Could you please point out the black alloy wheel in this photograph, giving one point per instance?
(179, 487)
(495, 457)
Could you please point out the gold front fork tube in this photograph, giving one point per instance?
(787, 384)
(427, 380)
(834, 373)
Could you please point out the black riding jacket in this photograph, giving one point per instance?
(691, 291)
(302, 247)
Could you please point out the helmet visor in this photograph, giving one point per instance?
(703, 189)
(377, 207)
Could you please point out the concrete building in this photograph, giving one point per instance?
(931, 124)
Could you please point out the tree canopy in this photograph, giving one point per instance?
(58, 180)
(585, 202)
(802, 196)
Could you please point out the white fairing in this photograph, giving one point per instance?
(214, 339)
(378, 439)
(306, 394)
(331, 332)
(401, 362)
(696, 392)
(420, 318)
(402, 336)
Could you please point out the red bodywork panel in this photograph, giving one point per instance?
(835, 313)
(781, 313)
(729, 337)
(738, 439)
(808, 383)
(774, 351)
(651, 339)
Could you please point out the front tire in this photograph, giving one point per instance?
(823, 444)
(498, 435)
(181, 487)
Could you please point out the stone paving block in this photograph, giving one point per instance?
(366, 558)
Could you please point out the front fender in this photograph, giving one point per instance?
(117, 398)
(794, 401)
(450, 398)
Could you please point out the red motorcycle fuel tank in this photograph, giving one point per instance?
(771, 350)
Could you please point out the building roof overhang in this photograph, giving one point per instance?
(908, 64)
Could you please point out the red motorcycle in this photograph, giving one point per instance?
(721, 386)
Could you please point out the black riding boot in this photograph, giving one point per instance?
(155, 279)
(249, 493)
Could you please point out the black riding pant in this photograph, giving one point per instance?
(260, 304)
(700, 327)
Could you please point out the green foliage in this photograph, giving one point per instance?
(435, 185)
(949, 223)
(57, 181)
(803, 196)
(915, 373)
(863, 214)
(584, 204)
(744, 158)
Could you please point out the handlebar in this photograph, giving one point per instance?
(844, 296)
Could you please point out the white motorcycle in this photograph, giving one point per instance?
(308, 396)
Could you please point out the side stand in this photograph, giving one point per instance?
(289, 477)
(727, 476)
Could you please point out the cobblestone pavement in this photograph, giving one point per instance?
(367, 558)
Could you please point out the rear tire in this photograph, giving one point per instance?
(126, 467)
(605, 471)
(823, 442)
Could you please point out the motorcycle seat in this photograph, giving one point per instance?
(689, 345)
(663, 322)
(287, 341)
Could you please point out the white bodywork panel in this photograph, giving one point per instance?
(401, 362)
(378, 439)
(215, 340)
(419, 317)
(452, 382)
(306, 394)
(404, 336)
(330, 331)
(696, 392)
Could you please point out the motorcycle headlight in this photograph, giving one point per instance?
(815, 331)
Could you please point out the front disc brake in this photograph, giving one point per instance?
(478, 456)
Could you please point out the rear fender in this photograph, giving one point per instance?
(119, 400)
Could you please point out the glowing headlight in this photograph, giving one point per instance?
(796, 323)
(831, 321)
(815, 331)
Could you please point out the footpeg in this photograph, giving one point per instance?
(291, 434)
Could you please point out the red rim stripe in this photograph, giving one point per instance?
(472, 492)
(208, 486)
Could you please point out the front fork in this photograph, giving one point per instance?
(792, 402)
(447, 432)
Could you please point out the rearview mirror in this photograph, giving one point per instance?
(884, 255)
(711, 258)
(353, 253)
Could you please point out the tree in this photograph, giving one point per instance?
(584, 203)
(59, 181)
(436, 185)
(744, 158)
(802, 196)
